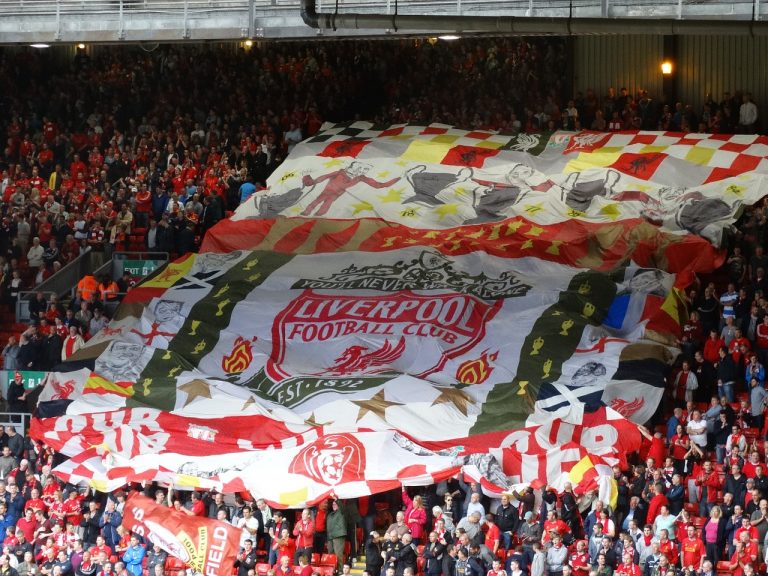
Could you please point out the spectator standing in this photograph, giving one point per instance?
(336, 528)
(747, 115)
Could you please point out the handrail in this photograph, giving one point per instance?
(61, 282)
(181, 7)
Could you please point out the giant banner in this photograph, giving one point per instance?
(505, 307)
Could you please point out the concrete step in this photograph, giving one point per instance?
(358, 567)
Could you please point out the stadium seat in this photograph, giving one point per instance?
(327, 570)
(420, 549)
(262, 569)
(328, 560)
(723, 567)
(501, 554)
(420, 563)
(315, 560)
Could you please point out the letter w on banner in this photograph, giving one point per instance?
(208, 546)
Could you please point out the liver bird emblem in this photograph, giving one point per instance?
(356, 359)
(62, 391)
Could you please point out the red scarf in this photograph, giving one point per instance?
(647, 539)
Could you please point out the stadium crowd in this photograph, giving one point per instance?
(134, 148)
(131, 150)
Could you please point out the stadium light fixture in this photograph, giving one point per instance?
(81, 46)
(449, 37)
(248, 43)
(40, 45)
(666, 68)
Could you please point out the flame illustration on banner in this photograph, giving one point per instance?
(478, 370)
(240, 358)
(357, 359)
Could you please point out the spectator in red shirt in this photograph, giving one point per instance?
(27, 524)
(579, 560)
(553, 524)
(657, 501)
(739, 560)
(627, 567)
(304, 532)
(492, 534)
(692, 552)
(198, 506)
(712, 347)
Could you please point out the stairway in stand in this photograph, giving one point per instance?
(359, 567)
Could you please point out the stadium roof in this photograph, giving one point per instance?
(151, 21)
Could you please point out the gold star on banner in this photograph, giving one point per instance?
(392, 195)
(533, 208)
(312, 422)
(513, 227)
(554, 248)
(476, 235)
(432, 234)
(460, 399)
(534, 231)
(459, 191)
(295, 210)
(446, 209)
(402, 163)
(382, 174)
(611, 211)
(389, 242)
(377, 405)
(642, 187)
(333, 162)
(362, 207)
(195, 389)
(527, 244)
